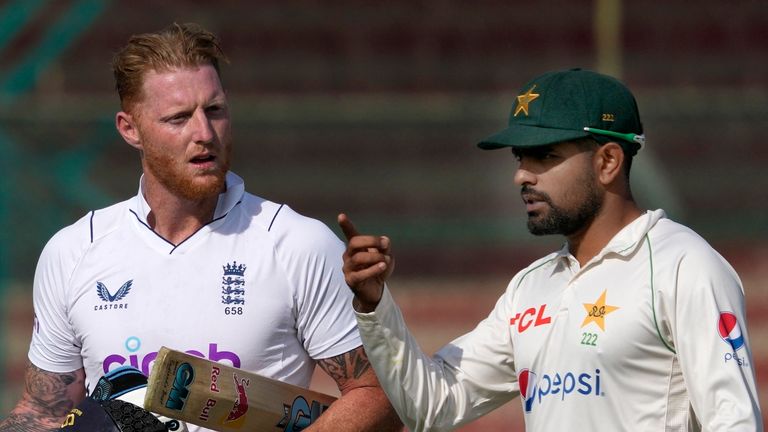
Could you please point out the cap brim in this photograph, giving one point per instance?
(519, 135)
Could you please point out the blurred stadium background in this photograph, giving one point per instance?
(373, 108)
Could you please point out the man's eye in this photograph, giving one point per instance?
(545, 155)
(215, 110)
(177, 120)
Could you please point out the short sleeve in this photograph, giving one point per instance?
(312, 257)
(54, 346)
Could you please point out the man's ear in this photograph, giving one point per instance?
(609, 162)
(126, 126)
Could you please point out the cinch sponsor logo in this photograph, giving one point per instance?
(531, 316)
(535, 388)
(730, 331)
(142, 361)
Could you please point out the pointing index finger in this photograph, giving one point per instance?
(347, 227)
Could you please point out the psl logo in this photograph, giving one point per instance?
(233, 284)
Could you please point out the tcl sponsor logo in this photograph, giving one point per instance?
(530, 317)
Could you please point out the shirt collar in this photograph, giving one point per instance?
(627, 239)
(233, 193)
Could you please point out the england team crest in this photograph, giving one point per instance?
(233, 284)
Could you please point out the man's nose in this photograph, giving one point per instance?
(523, 176)
(203, 130)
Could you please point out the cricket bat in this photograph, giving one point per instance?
(223, 398)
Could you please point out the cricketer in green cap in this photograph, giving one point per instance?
(621, 303)
(568, 105)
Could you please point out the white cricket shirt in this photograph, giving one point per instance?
(650, 335)
(260, 287)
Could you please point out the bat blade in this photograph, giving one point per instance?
(224, 398)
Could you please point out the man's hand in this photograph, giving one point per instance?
(368, 263)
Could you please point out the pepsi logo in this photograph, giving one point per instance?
(527, 381)
(535, 388)
(730, 331)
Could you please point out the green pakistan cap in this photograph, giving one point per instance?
(568, 105)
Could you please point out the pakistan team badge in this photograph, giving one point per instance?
(233, 288)
(596, 313)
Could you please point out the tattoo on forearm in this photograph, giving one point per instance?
(50, 390)
(359, 361)
(45, 404)
(339, 368)
(23, 423)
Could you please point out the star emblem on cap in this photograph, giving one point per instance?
(597, 311)
(523, 100)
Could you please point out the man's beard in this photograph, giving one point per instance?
(559, 220)
(181, 183)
